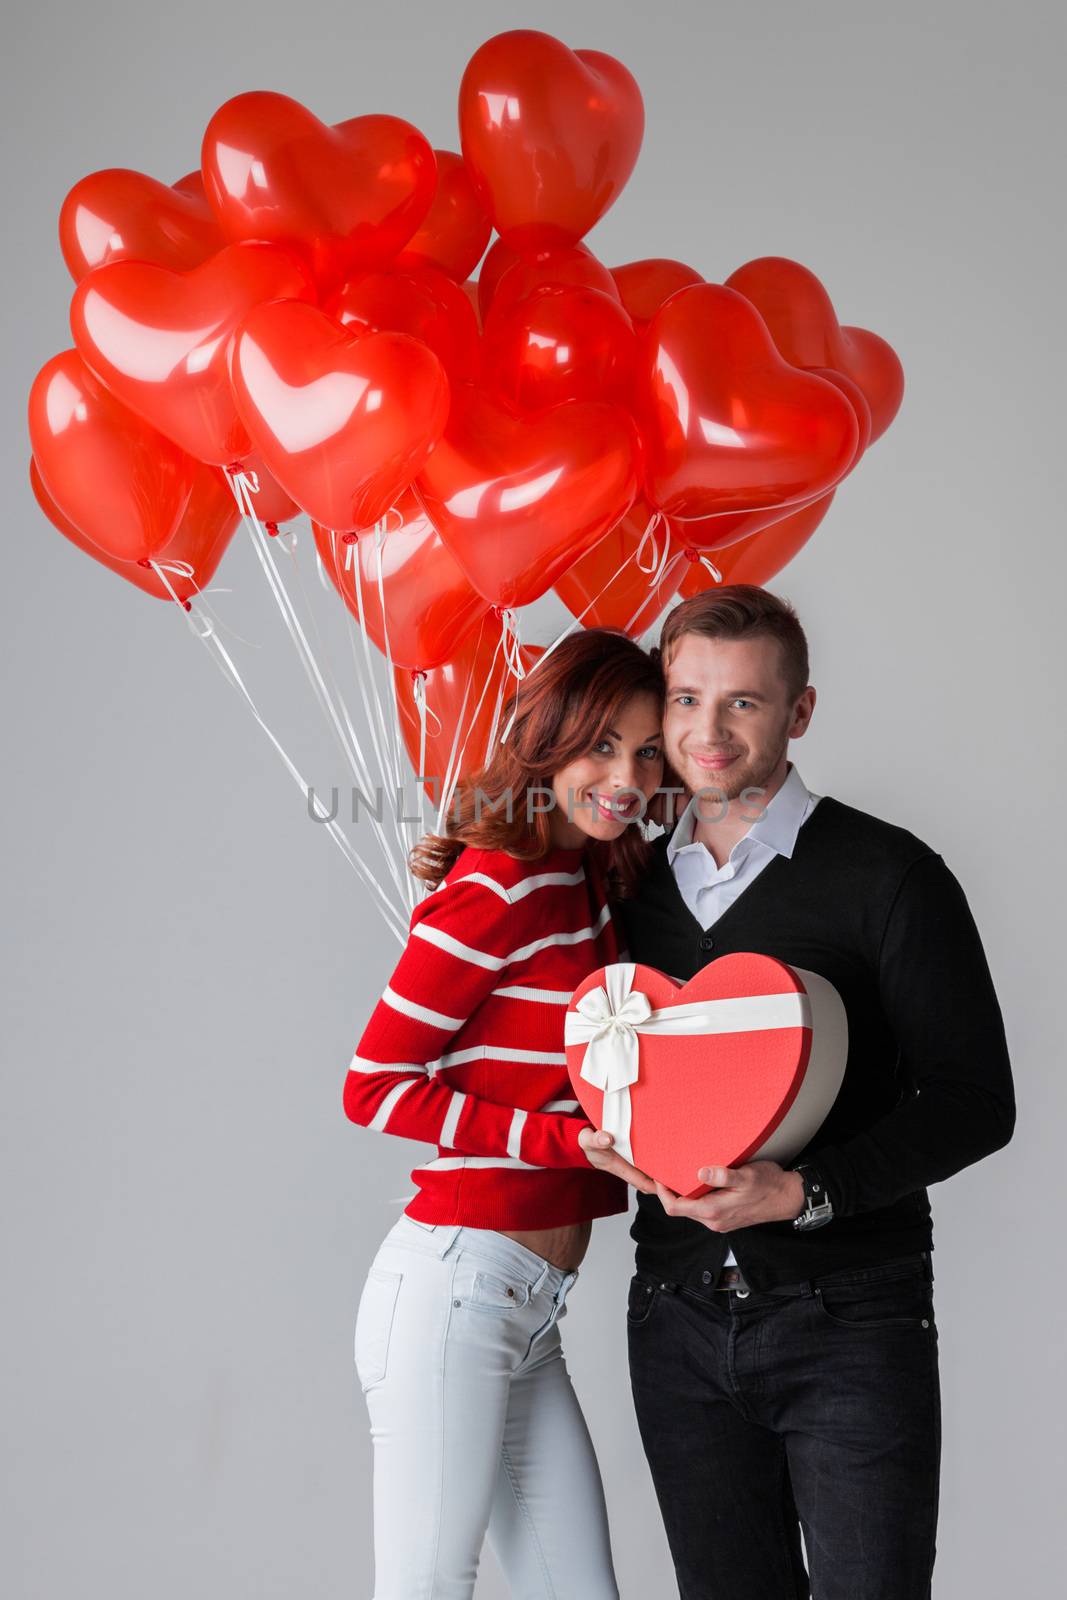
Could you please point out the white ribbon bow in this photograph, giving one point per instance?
(606, 1020)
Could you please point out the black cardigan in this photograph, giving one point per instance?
(928, 1086)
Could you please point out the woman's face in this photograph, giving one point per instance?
(600, 793)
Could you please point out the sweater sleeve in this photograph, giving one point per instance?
(460, 943)
(937, 994)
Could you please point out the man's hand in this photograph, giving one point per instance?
(760, 1191)
(599, 1153)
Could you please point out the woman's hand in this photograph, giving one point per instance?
(599, 1153)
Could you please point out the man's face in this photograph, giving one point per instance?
(728, 717)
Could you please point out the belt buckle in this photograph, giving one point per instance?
(732, 1278)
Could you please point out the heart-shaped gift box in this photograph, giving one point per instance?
(742, 1063)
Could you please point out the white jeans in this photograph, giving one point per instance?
(476, 1427)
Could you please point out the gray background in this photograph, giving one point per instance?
(188, 1216)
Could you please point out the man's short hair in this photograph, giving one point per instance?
(742, 611)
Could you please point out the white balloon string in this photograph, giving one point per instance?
(397, 870)
(674, 562)
(222, 658)
(458, 752)
(243, 485)
(390, 848)
(510, 642)
(444, 794)
(659, 561)
(418, 694)
(568, 630)
(379, 541)
(383, 739)
(706, 561)
(185, 569)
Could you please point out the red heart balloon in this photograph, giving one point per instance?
(193, 183)
(645, 285)
(550, 135)
(423, 303)
(461, 694)
(499, 258)
(875, 367)
(804, 326)
(160, 340)
(456, 230)
(345, 198)
(344, 423)
(115, 478)
(429, 605)
(735, 527)
(607, 588)
(751, 1074)
(560, 344)
(517, 499)
(761, 556)
(207, 527)
(118, 215)
(572, 267)
(728, 424)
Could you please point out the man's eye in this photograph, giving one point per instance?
(741, 701)
(683, 699)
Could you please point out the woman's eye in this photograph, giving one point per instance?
(682, 699)
(649, 752)
(602, 747)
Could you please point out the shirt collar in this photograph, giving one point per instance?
(777, 828)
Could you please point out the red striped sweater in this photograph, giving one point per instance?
(465, 1047)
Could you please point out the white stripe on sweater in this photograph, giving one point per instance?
(381, 1116)
(503, 1052)
(551, 939)
(519, 991)
(446, 1138)
(411, 1008)
(365, 1064)
(515, 1134)
(453, 1163)
(456, 947)
(544, 880)
(517, 891)
(559, 1105)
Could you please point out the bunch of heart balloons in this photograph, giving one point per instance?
(299, 316)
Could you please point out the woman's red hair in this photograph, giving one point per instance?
(562, 708)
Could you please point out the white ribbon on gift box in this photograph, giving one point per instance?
(608, 1019)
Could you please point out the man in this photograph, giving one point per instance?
(783, 1346)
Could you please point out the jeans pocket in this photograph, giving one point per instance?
(374, 1325)
(896, 1303)
(494, 1289)
(641, 1299)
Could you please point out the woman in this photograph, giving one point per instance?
(475, 1425)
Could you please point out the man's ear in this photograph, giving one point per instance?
(803, 711)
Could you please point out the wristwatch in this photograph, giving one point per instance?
(817, 1208)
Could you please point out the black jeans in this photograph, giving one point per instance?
(819, 1409)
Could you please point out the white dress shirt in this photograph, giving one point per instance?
(708, 889)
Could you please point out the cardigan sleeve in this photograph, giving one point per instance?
(937, 994)
(460, 942)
